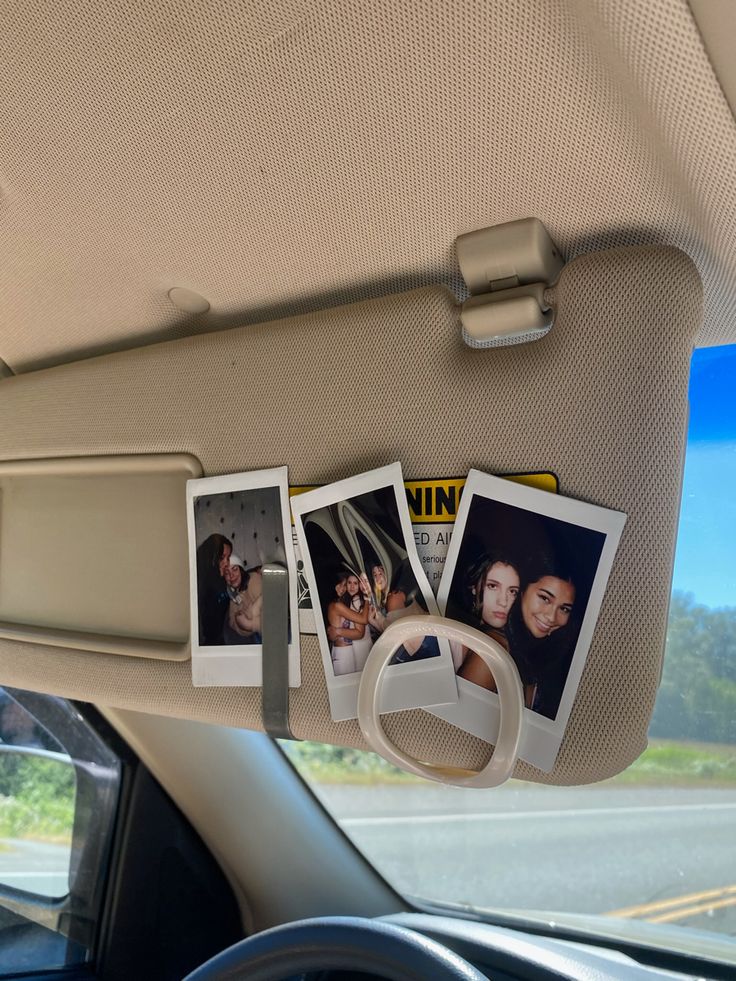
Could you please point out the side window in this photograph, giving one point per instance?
(653, 844)
(58, 796)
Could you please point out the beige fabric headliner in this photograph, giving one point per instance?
(289, 155)
(601, 401)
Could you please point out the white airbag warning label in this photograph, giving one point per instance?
(432, 546)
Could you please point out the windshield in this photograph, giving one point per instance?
(654, 844)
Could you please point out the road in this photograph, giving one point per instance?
(662, 854)
(35, 867)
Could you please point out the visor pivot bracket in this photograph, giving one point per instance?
(507, 269)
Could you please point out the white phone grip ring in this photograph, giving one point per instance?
(508, 684)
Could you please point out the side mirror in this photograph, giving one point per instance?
(38, 790)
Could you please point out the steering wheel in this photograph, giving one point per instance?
(347, 943)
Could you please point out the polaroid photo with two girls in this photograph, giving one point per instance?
(528, 568)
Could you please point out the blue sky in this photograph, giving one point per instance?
(705, 563)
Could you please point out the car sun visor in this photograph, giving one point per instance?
(600, 401)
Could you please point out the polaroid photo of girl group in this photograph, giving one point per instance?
(364, 572)
(525, 566)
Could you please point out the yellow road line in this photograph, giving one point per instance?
(681, 914)
(662, 904)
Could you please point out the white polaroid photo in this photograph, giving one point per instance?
(237, 524)
(363, 572)
(528, 568)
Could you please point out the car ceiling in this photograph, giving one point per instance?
(283, 156)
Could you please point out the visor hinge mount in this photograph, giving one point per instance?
(507, 269)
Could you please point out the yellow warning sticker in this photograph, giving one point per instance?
(437, 501)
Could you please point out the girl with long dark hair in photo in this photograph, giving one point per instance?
(541, 631)
(344, 625)
(492, 585)
(357, 600)
(212, 598)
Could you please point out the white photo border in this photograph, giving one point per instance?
(235, 664)
(430, 681)
(477, 710)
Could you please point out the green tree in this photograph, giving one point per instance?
(32, 777)
(697, 696)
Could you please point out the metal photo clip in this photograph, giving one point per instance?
(510, 694)
(275, 633)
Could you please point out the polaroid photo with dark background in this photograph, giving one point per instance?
(363, 570)
(237, 524)
(529, 569)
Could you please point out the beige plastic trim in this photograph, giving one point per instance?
(235, 787)
(716, 20)
(5, 372)
(515, 253)
(99, 643)
(507, 268)
(490, 319)
(106, 466)
(59, 573)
